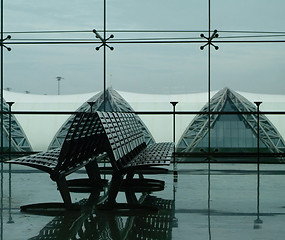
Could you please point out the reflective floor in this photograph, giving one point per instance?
(222, 205)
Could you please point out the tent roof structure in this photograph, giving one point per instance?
(40, 130)
(198, 128)
(114, 103)
(19, 140)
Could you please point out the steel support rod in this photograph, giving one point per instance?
(10, 169)
(209, 123)
(174, 141)
(104, 46)
(2, 124)
(258, 220)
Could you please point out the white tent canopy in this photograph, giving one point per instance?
(40, 129)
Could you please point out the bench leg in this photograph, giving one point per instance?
(131, 197)
(93, 173)
(141, 184)
(111, 204)
(130, 176)
(64, 192)
(116, 182)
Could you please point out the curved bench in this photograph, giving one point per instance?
(128, 152)
(80, 148)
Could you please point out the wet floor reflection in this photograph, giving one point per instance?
(209, 200)
(112, 224)
(199, 203)
(90, 223)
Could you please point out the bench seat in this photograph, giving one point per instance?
(126, 147)
(45, 161)
(80, 148)
(154, 155)
(119, 135)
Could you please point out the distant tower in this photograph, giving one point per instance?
(58, 79)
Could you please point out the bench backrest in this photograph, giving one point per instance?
(81, 143)
(124, 136)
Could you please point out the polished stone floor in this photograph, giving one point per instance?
(222, 205)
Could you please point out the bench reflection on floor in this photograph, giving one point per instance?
(96, 224)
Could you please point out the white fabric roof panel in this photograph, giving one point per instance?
(40, 129)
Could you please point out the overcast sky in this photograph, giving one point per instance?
(149, 68)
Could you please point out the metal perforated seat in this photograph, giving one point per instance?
(81, 146)
(128, 151)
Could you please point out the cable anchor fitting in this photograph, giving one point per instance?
(3, 40)
(210, 39)
(104, 41)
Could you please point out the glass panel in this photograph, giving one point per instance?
(231, 132)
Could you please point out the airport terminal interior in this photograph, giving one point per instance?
(233, 191)
(221, 177)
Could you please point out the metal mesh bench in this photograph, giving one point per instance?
(128, 152)
(81, 146)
